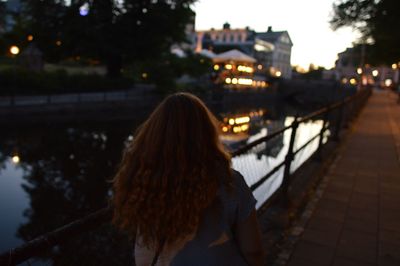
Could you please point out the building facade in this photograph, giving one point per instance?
(350, 68)
(271, 49)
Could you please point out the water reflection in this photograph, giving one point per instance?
(65, 174)
(50, 176)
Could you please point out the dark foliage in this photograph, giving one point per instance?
(114, 32)
(377, 21)
(21, 81)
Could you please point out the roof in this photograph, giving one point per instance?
(207, 53)
(272, 36)
(234, 55)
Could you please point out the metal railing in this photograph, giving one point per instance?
(335, 117)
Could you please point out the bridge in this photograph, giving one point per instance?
(364, 160)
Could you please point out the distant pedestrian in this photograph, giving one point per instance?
(178, 198)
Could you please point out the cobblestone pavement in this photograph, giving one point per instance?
(354, 219)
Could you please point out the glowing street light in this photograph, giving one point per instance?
(14, 50)
(394, 66)
(359, 71)
(15, 159)
(375, 73)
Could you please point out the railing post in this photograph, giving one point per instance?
(288, 161)
(321, 135)
(338, 125)
(349, 113)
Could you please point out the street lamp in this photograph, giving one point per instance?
(14, 50)
(15, 159)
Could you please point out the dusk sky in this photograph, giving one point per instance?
(306, 21)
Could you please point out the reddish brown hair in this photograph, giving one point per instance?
(170, 172)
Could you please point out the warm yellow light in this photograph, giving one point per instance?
(388, 82)
(29, 38)
(353, 81)
(243, 119)
(225, 129)
(375, 73)
(344, 80)
(237, 129)
(14, 50)
(228, 80)
(245, 69)
(231, 121)
(228, 66)
(245, 81)
(58, 43)
(259, 67)
(254, 83)
(263, 83)
(244, 127)
(216, 67)
(15, 159)
(144, 75)
(234, 81)
(278, 73)
(359, 70)
(394, 66)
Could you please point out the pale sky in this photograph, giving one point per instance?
(307, 23)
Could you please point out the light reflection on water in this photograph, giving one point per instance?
(50, 177)
(12, 203)
(261, 160)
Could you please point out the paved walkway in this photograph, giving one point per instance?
(357, 220)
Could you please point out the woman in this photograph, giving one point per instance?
(177, 196)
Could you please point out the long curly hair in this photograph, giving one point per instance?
(170, 172)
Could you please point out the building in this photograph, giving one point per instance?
(272, 49)
(278, 60)
(235, 70)
(349, 68)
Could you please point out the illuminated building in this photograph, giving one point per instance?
(271, 49)
(235, 70)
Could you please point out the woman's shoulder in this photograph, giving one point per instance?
(238, 179)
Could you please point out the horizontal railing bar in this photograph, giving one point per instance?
(51, 239)
(306, 144)
(328, 108)
(314, 114)
(266, 177)
(247, 147)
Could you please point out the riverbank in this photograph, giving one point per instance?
(297, 96)
(110, 106)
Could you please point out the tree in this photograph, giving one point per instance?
(111, 31)
(2, 15)
(377, 21)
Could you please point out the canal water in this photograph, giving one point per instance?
(53, 174)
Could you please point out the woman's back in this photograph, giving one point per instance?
(214, 243)
(175, 189)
